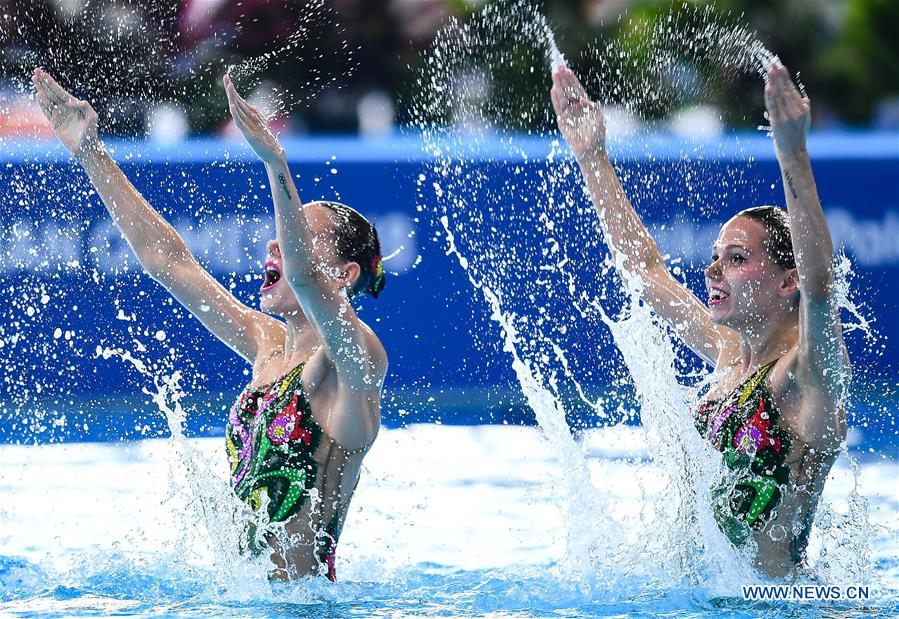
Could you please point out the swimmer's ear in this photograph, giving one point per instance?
(351, 273)
(789, 284)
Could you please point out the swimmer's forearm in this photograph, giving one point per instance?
(154, 241)
(290, 221)
(625, 232)
(637, 257)
(812, 244)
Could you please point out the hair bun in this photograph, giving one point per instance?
(378, 280)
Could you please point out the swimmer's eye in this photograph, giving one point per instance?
(737, 259)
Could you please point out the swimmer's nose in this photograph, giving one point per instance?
(272, 248)
(713, 270)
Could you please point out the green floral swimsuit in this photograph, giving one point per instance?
(743, 427)
(281, 458)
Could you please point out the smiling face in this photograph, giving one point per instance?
(276, 295)
(745, 287)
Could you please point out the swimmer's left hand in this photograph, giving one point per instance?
(580, 120)
(253, 126)
(788, 111)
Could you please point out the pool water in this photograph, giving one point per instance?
(447, 521)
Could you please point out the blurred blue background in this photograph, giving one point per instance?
(153, 69)
(70, 283)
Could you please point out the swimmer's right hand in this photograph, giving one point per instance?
(74, 121)
(580, 120)
(253, 125)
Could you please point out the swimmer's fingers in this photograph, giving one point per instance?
(42, 95)
(235, 101)
(788, 112)
(236, 97)
(774, 97)
(771, 104)
(246, 123)
(567, 92)
(250, 111)
(560, 101)
(783, 99)
(56, 93)
(231, 93)
(794, 105)
(44, 103)
(240, 117)
(240, 101)
(238, 105)
(572, 86)
(250, 118)
(52, 111)
(783, 89)
(241, 121)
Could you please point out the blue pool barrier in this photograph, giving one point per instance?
(71, 288)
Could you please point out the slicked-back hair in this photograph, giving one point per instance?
(356, 240)
(779, 242)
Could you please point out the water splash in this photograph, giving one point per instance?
(556, 59)
(584, 531)
(527, 241)
(845, 299)
(213, 510)
(307, 39)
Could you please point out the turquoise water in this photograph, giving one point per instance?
(447, 521)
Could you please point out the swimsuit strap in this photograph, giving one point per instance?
(288, 379)
(755, 381)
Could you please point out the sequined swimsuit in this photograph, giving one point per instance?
(743, 427)
(282, 459)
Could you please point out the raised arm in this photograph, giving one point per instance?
(158, 247)
(636, 253)
(352, 347)
(822, 362)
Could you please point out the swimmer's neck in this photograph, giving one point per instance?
(300, 338)
(764, 344)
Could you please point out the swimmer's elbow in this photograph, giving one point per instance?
(168, 267)
(817, 283)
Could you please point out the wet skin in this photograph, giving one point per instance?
(345, 361)
(755, 312)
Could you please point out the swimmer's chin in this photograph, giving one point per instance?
(268, 303)
(271, 304)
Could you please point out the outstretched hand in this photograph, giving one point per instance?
(74, 121)
(252, 125)
(788, 111)
(580, 120)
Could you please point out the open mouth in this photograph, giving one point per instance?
(716, 296)
(272, 276)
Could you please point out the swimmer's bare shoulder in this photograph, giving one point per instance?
(812, 411)
(349, 412)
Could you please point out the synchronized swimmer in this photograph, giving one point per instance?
(298, 433)
(770, 327)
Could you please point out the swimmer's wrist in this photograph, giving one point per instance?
(92, 154)
(594, 156)
(796, 156)
(278, 158)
